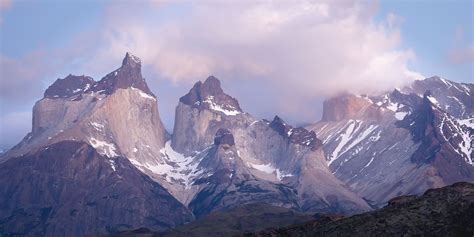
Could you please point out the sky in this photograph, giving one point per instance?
(275, 57)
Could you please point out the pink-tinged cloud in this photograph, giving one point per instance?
(295, 52)
(461, 55)
(304, 48)
(5, 4)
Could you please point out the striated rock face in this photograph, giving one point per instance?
(69, 86)
(447, 211)
(69, 189)
(403, 142)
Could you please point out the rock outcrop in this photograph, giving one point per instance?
(447, 211)
(243, 160)
(69, 189)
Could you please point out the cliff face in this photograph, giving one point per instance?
(117, 115)
(101, 114)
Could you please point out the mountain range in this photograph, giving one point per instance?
(98, 159)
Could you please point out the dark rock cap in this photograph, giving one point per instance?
(209, 93)
(304, 137)
(297, 135)
(128, 75)
(69, 86)
(131, 60)
(224, 136)
(280, 126)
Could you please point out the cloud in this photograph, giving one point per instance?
(4, 5)
(460, 53)
(276, 57)
(304, 48)
(22, 79)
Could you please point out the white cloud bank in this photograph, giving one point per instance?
(296, 52)
(309, 48)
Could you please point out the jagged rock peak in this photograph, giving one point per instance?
(224, 137)
(280, 126)
(209, 95)
(131, 60)
(128, 75)
(304, 137)
(297, 135)
(69, 86)
(211, 86)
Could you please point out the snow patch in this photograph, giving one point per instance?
(393, 106)
(212, 105)
(370, 162)
(467, 122)
(143, 94)
(400, 115)
(112, 164)
(104, 148)
(464, 147)
(175, 166)
(269, 169)
(344, 138)
(360, 138)
(97, 126)
(134, 58)
(433, 100)
(254, 122)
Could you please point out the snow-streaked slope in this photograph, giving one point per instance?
(378, 149)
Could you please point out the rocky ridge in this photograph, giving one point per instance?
(423, 144)
(446, 211)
